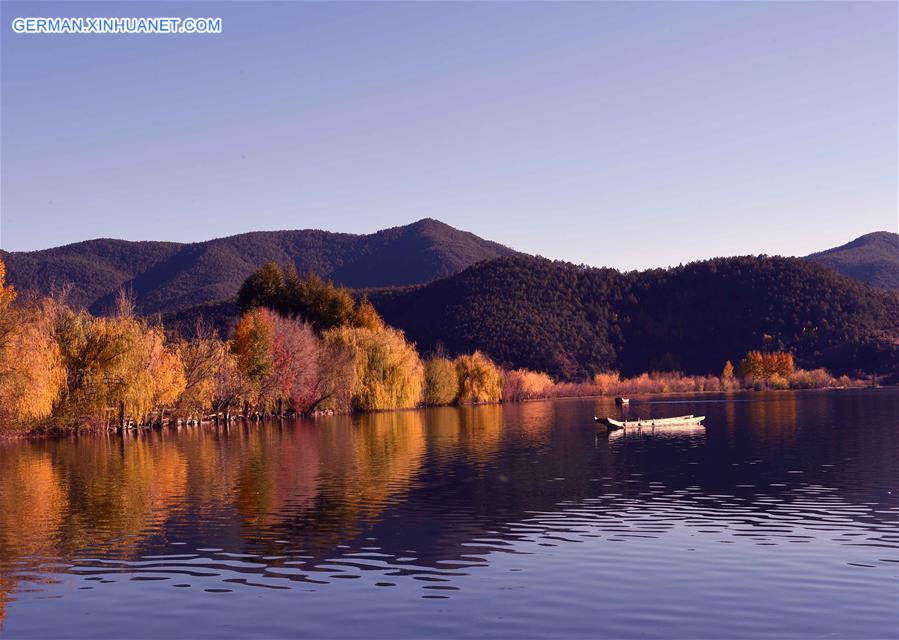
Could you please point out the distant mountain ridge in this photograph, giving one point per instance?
(872, 258)
(166, 276)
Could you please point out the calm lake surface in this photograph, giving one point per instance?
(779, 519)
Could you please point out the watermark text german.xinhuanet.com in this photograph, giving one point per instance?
(116, 25)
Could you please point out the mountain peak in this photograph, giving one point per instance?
(430, 223)
(168, 276)
(871, 258)
(884, 238)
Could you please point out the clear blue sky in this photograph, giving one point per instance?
(628, 135)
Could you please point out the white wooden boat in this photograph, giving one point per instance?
(651, 422)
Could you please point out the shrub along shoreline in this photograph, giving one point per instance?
(301, 347)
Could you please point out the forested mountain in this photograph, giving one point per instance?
(166, 276)
(572, 321)
(872, 258)
(523, 312)
(90, 270)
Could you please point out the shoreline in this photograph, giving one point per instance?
(15, 435)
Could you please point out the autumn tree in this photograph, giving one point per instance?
(201, 357)
(753, 366)
(294, 364)
(232, 390)
(148, 375)
(288, 367)
(388, 374)
(523, 384)
(336, 379)
(779, 364)
(365, 316)
(7, 295)
(31, 367)
(214, 383)
(607, 381)
(441, 381)
(7, 291)
(117, 368)
(728, 372)
(252, 344)
(307, 372)
(165, 370)
(776, 366)
(480, 379)
(97, 353)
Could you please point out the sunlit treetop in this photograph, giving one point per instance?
(7, 292)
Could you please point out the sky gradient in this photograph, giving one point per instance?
(628, 135)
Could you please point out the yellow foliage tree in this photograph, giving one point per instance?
(231, 387)
(523, 384)
(728, 372)
(117, 368)
(479, 379)
(7, 295)
(7, 292)
(388, 374)
(165, 369)
(125, 380)
(31, 367)
(766, 366)
(753, 366)
(441, 381)
(779, 364)
(252, 344)
(366, 316)
(607, 382)
(201, 358)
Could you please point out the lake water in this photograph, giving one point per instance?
(779, 519)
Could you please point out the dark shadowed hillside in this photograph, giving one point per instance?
(90, 269)
(524, 312)
(573, 321)
(169, 276)
(696, 316)
(872, 258)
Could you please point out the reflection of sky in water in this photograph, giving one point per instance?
(776, 518)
